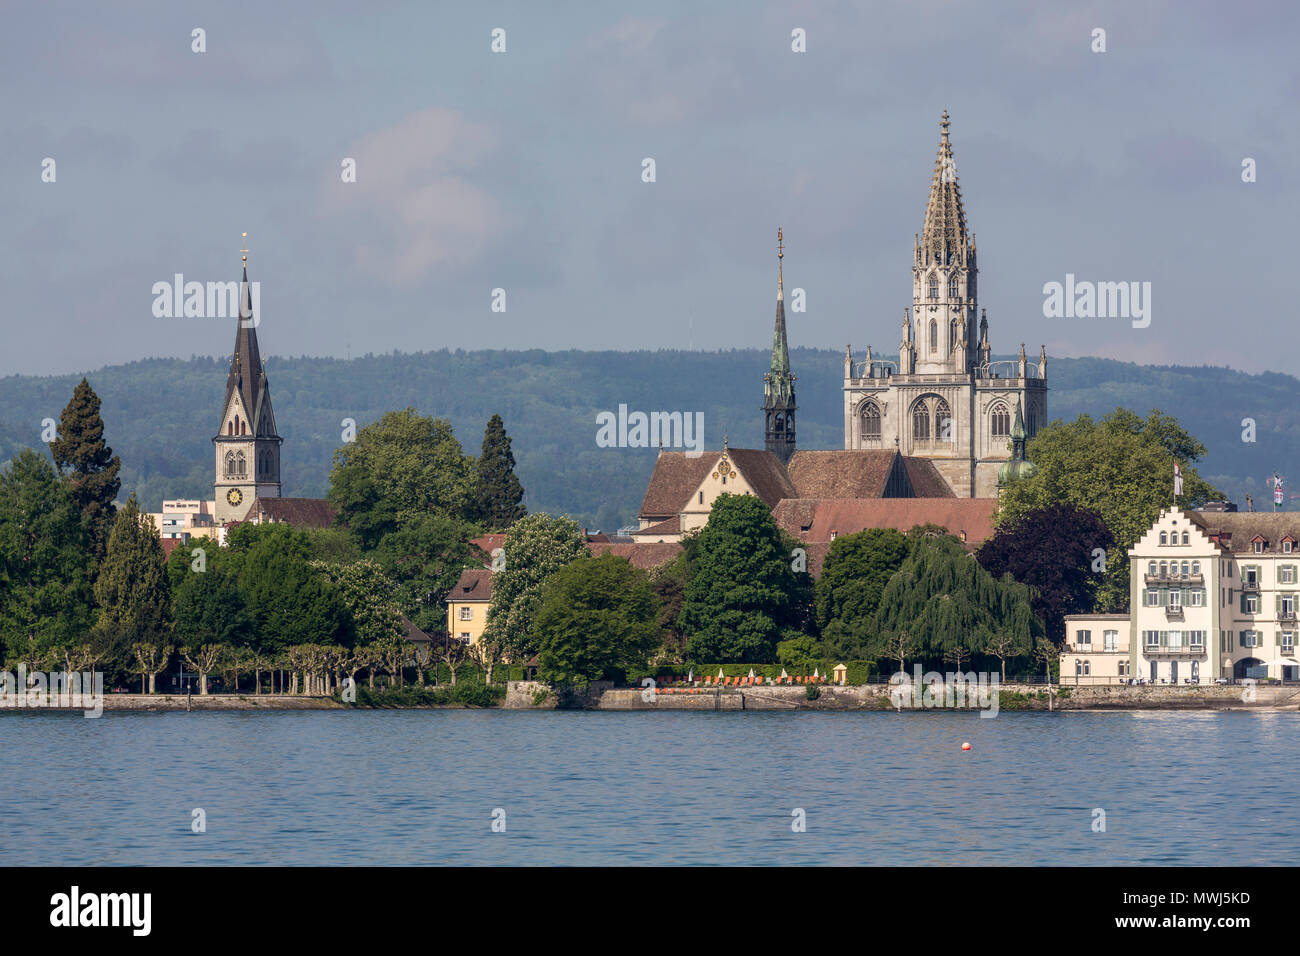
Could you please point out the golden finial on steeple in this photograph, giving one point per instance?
(244, 250)
(724, 443)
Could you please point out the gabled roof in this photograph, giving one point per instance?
(642, 555)
(1245, 526)
(674, 480)
(676, 477)
(926, 480)
(299, 512)
(765, 473)
(474, 584)
(856, 473)
(813, 520)
(246, 374)
(671, 525)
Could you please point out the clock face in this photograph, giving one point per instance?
(234, 496)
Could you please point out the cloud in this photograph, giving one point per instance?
(416, 197)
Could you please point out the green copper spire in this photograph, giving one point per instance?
(1017, 467)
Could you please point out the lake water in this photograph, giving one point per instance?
(420, 787)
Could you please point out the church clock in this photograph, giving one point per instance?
(234, 496)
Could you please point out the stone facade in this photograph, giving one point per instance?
(944, 399)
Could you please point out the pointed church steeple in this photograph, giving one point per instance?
(247, 445)
(778, 383)
(945, 216)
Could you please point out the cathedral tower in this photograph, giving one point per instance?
(945, 399)
(247, 446)
(778, 382)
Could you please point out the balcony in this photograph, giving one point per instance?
(1250, 586)
(1180, 650)
(1093, 649)
(1173, 612)
(1197, 580)
(1286, 614)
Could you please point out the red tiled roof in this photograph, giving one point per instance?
(926, 480)
(475, 584)
(169, 545)
(1243, 527)
(857, 473)
(670, 526)
(846, 515)
(765, 473)
(487, 543)
(642, 555)
(675, 477)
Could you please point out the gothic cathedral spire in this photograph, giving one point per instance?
(247, 446)
(778, 382)
(944, 274)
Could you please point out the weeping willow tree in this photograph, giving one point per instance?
(942, 606)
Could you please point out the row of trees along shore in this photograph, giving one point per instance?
(83, 583)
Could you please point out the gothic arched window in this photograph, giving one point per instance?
(934, 287)
(943, 424)
(934, 336)
(1001, 421)
(870, 422)
(230, 463)
(920, 421)
(953, 287)
(779, 424)
(241, 465)
(952, 336)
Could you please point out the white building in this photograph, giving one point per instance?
(1212, 594)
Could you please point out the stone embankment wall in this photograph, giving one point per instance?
(208, 702)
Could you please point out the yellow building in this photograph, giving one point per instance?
(467, 605)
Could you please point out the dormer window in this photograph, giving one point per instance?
(1288, 545)
(1259, 546)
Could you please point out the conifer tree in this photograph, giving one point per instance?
(88, 464)
(498, 494)
(132, 588)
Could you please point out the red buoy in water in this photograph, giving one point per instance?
(965, 746)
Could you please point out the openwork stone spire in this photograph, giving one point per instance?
(945, 217)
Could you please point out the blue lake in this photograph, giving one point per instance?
(420, 787)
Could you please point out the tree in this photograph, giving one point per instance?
(596, 621)
(536, 547)
(152, 660)
(854, 575)
(290, 602)
(950, 605)
(45, 561)
(668, 581)
(209, 608)
(1053, 550)
(741, 592)
(396, 470)
(899, 646)
(498, 495)
(88, 464)
(424, 557)
(366, 593)
(132, 588)
(1120, 467)
(1047, 654)
(451, 652)
(203, 658)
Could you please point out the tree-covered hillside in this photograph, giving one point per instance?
(160, 414)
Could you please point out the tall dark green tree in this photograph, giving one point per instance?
(596, 621)
(88, 464)
(854, 575)
(741, 594)
(210, 609)
(424, 558)
(45, 561)
(289, 601)
(498, 495)
(1060, 551)
(132, 589)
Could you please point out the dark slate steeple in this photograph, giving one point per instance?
(778, 383)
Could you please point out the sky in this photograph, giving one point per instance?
(522, 170)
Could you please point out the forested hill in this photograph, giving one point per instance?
(160, 414)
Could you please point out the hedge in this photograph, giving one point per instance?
(858, 671)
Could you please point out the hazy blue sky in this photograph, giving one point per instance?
(522, 170)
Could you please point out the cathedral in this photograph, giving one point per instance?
(945, 399)
(945, 425)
